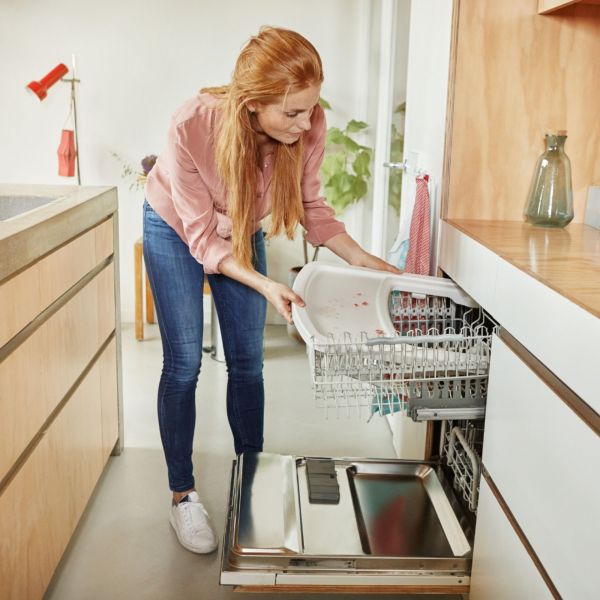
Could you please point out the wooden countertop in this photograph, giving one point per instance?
(566, 260)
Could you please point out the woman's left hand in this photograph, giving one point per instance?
(373, 262)
(345, 247)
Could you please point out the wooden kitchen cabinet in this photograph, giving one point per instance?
(515, 76)
(27, 294)
(58, 351)
(42, 505)
(542, 426)
(59, 379)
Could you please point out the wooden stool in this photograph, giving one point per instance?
(138, 255)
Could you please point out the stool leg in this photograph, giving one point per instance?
(139, 322)
(149, 302)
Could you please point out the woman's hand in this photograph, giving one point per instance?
(345, 247)
(278, 294)
(373, 262)
(281, 297)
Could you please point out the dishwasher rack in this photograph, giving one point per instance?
(423, 354)
(461, 444)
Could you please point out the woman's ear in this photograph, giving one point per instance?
(251, 107)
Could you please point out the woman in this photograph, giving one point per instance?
(234, 154)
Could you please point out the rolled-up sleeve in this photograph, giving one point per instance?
(193, 203)
(319, 218)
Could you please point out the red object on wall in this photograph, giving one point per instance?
(40, 88)
(67, 153)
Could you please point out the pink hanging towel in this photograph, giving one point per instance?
(67, 153)
(417, 259)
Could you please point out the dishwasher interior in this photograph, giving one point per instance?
(377, 344)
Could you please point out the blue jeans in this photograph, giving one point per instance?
(177, 279)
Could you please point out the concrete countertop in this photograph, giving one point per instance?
(27, 237)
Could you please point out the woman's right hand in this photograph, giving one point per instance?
(281, 297)
(278, 294)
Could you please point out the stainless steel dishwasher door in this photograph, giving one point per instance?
(395, 525)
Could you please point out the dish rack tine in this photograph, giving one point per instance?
(457, 434)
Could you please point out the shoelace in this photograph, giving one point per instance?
(186, 508)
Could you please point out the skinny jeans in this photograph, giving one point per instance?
(177, 281)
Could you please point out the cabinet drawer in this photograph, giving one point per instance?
(544, 459)
(502, 567)
(27, 294)
(43, 503)
(35, 377)
(562, 335)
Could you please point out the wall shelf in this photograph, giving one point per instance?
(550, 6)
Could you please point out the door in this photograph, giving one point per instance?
(415, 58)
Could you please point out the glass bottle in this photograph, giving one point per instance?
(550, 197)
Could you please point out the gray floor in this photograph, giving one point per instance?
(124, 546)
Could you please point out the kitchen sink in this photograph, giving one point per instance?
(15, 205)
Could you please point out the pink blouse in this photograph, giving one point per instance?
(184, 188)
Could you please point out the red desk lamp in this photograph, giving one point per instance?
(68, 158)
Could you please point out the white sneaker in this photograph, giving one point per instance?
(191, 523)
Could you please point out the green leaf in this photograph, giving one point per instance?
(360, 189)
(335, 136)
(401, 108)
(350, 144)
(324, 104)
(345, 171)
(397, 149)
(341, 182)
(361, 164)
(354, 126)
(332, 163)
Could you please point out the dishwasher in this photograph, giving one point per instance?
(377, 344)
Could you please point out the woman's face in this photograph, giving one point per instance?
(289, 117)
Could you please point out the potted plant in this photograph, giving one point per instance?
(138, 176)
(345, 171)
(345, 175)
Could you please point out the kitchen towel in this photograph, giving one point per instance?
(417, 260)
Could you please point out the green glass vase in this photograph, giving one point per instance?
(550, 198)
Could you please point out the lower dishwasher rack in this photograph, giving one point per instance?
(397, 525)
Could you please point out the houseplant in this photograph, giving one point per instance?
(138, 176)
(345, 171)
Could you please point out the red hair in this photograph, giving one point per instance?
(271, 65)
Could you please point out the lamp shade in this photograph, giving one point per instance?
(67, 153)
(40, 88)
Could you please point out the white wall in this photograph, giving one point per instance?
(137, 62)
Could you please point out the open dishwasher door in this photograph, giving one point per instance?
(392, 524)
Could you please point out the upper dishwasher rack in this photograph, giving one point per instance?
(393, 343)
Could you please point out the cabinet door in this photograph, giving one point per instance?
(41, 506)
(544, 459)
(109, 398)
(502, 568)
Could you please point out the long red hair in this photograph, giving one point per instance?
(272, 64)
